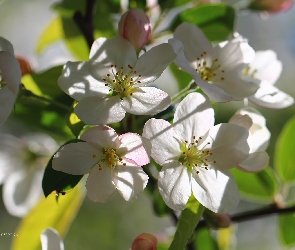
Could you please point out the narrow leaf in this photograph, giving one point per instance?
(287, 229)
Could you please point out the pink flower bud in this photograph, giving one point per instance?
(135, 27)
(272, 6)
(144, 242)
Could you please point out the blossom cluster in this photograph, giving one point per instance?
(194, 153)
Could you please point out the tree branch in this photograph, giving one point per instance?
(85, 23)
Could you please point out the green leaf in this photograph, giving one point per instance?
(284, 157)
(160, 207)
(215, 20)
(183, 78)
(48, 213)
(187, 223)
(287, 229)
(74, 123)
(204, 240)
(260, 187)
(58, 181)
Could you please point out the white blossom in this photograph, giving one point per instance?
(196, 156)
(112, 161)
(114, 81)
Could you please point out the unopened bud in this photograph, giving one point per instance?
(24, 65)
(135, 27)
(216, 221)
(271, 6)
(145, 241)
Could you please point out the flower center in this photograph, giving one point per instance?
(110, 158)
(193, 156)
(249, 72)
(121, 83)
(206, 71)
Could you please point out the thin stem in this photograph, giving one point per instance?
(189, 88)
(251, 215)
(85, 23)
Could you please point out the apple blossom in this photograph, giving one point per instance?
(216, 70)
(51, 240)
(265, 69)
(113, 81)
(135, 27)
(258, 140)
(10, 75)
(112, 161)
(196, 156)
(22, 163)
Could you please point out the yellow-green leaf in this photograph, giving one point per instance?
(52, 33)
(48, 213)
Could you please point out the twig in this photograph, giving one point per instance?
(85, 23)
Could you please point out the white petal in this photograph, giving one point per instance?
(213, 92)
(138, 148)
(194, 41)
(95, 110)
(194, 116)
(174, 183)
(229, 145)
(152, 63)
(115, 50)
(267, 66)
(100, 185)
(51, 240)
(255, 162)
(146, 101)
(21, 191)
(165, 145)
(76, 158)
(102, 135)
(5, 45)
(7, 99)
(77, 81)
(10, 70)
(11, 155)
(269, 96)
(131, 180)
(215, 190)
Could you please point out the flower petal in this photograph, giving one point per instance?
(7, 99)
(229, 145)
(100, 185)
(10, 71)
(77, 81)
(51, 240)
(115, 50)
(5, 45)
(152, 63)
(138, 148)
(215, 93)
(268, 96)
(75, 158)
(215, 190)
(131, 180)
(21, 191)
(255, 162)
(165, 145)
(194, 116)
(195, 44)
(95, 110)
(174, 183)
(102, 135)
(146, 101)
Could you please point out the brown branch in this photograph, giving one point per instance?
(250, 215)
(85, 23)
